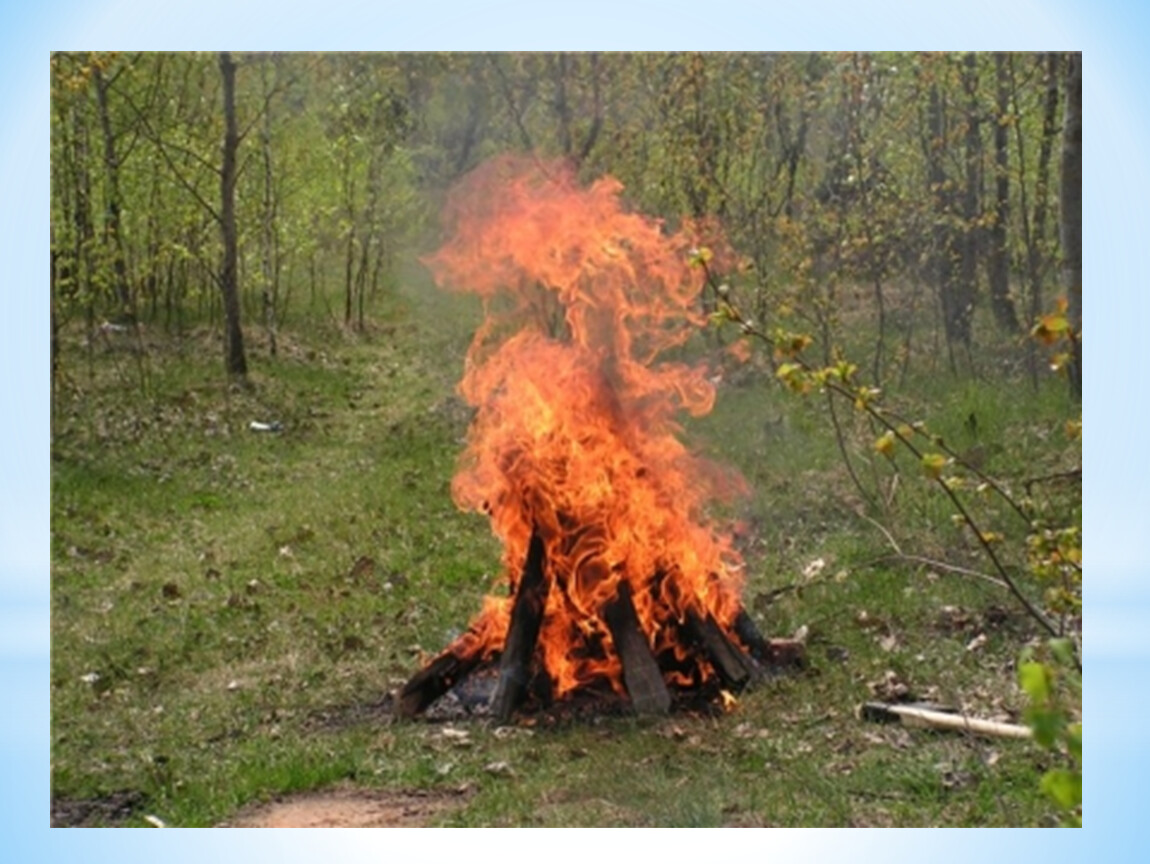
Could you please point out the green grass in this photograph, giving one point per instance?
(214, 642)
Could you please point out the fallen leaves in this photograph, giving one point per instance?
(460, 738)
(977, 642)
(890, 687)
(499, 769)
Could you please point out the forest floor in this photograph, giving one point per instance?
(230, 608)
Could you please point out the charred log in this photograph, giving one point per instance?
(522, 633)
(641, 675)
(785, 655)
(749, 635)
(774, 656)
(435, 679)
(735, 669)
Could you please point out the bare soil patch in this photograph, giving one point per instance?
(350, 807)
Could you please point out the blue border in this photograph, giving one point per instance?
(1112, 37)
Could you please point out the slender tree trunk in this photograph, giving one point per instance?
(942, 236)
(1041, 260)
(1071, 212)
(235, 360)
(998, 259)
(54, 321)
(967, 283)
(371, 230)
(469, 137)
(83, 232)
(794, 147)
(596, 110)
(113, 229)
(562, 106)
(349, 277)
(361, 279)
(1034, 225)
(514, 106)
(267, 258)
(349, 250)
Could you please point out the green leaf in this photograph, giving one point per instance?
(1035, 681)
(1063, 651)
(1046, 726)
(1064, 786)
(1074, 741)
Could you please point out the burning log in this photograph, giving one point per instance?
(522, 634)
(772, 655)
(748, 633)
(435, 679)
(735, 668)
(641, 675)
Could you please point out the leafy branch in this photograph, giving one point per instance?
(839, 379)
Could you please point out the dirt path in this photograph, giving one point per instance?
(347, 807)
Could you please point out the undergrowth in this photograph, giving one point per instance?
(230, 607)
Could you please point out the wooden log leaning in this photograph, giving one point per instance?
(641, 675)
(736, 669)
(748, 633)
(435, 679)
(774, 656)
(522, 632)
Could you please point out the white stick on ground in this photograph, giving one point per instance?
(910, 715)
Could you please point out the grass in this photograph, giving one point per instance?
(229, 608)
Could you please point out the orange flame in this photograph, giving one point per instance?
(575, 435)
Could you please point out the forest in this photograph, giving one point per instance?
(259, 426)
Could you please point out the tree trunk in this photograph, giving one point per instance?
(54, 322)
(1071, 210)
(1034, 227)
(794, 147)
(113, 230)
(349, 249)
(235, 360)
(967, 283)
(268, 261)
(562, 106)
(954, 318)
(998, 259)
(596, 110)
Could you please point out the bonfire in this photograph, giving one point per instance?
(618, 577)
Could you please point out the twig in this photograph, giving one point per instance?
(889, 537)
(843, 451)
(769, 597)
(928, 562)
(1073, 474)
(941, 565)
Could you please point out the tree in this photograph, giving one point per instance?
(998, 254)
(113, 229)
(972, 189)
(1071, 212)
(235, 360)
(1034, 223)
(956, 305)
